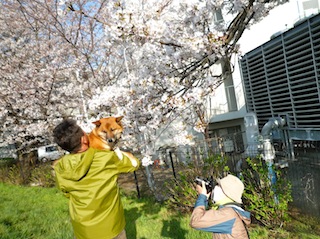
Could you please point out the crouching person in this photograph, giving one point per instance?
(88, 177)
(226, 221)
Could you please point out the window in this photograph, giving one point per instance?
(218, 18)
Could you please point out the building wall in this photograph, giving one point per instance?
(280, 74)
(282, 78)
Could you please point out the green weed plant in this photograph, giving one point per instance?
(16, 173)
(181, 190)
(268, 202)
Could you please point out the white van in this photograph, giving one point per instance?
(49, 152)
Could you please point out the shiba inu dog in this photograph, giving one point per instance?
(107, 133)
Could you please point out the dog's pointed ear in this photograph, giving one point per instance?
(118, 119)
(97, 123)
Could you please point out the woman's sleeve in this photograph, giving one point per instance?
(215, 221)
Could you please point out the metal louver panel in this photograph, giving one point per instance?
(282, 77)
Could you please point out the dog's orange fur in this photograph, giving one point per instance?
(106, 134)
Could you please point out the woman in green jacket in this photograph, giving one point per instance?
(88, 177)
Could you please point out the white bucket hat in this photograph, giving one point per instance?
(232, 187)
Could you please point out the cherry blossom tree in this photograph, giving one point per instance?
(149, 60)
(35, 70)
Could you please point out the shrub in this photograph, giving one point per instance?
(11, 174)
(43, 175)
(181, 190)
(24, 174)
(268, 202)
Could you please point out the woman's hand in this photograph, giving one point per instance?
(202, 189)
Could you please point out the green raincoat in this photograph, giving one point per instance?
(89, 180)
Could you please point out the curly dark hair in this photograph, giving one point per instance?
(68, 135)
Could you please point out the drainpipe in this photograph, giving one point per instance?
(229, 86)
(268, 149)
(252, 135)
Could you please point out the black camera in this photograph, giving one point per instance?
(209, 183)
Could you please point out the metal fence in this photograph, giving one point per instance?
(304, 175)
(303, 172)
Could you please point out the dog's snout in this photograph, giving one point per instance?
(111, 140)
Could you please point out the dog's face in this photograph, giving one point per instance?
(109, 129)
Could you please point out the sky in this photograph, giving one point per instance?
(280, 18)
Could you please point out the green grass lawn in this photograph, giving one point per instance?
(42, 213)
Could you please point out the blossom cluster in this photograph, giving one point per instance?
(147, 60)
